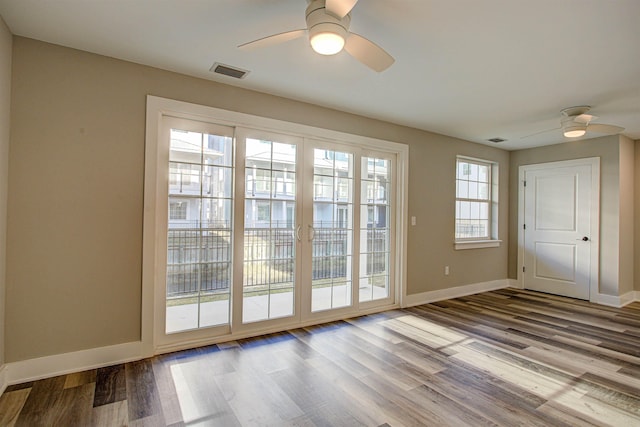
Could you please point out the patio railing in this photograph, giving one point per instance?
(199, 259)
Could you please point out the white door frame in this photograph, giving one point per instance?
(157, 108)
(594, 234)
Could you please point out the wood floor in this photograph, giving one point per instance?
(507, 358)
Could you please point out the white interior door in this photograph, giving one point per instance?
(559, 228)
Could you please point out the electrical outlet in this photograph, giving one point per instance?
(446, 270)
(413, 220)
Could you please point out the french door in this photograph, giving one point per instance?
(268, 202)
(266, 230)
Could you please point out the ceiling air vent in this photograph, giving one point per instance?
(496, 140)
(228, 70)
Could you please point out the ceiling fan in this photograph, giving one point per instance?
(575, 122)
(328, 30)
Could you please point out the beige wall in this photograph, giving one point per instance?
(432, 201)
(5, 104)
(608, 150)
(627, 229)
(76, 186)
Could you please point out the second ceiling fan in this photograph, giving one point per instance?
(328, 30)
(575, 122)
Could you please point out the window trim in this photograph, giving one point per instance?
(157, 108)
(492, 241)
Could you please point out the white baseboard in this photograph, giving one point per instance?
(604, 299)
(514, 283)
(616, 301)
(627, 298)
(60, 364)
(4, 381)
(458, 291)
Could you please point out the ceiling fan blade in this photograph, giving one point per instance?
(584, 118)
(273, 39)
(602, 128)
(540, 132)
(340, 8)
(367, 52)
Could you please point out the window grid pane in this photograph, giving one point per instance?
(473, 200)
(269, 241)
(374, 280)
(199, 230)
(333, 224)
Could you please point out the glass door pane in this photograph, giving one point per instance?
(199, 233)
(269, 221)
(332, 233)
(375, 229)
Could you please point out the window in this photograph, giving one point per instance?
(375, 235)
(476, 204)
(177, 211)
(199, 227)
(264, 213)
(247, 229)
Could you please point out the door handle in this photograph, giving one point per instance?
(312, 232)
(584, 239)
(298, 232)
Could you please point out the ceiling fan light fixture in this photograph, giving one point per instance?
(575, 131)
(327, 37)
(327, 43)
(328, 31)
(572, 127)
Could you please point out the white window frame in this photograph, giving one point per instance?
(492, 240)
(157, 108)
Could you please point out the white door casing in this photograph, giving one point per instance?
(155, 254)
(559, 227)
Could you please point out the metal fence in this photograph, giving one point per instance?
(269, 255)
(330, 251)
(200, 259)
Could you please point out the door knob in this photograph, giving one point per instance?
(585, 239)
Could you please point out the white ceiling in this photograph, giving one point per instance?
(466, 68)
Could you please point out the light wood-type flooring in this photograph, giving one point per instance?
(506, 357)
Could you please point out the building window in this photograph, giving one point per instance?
(476, 206)
(264, 213)
(178, 211)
